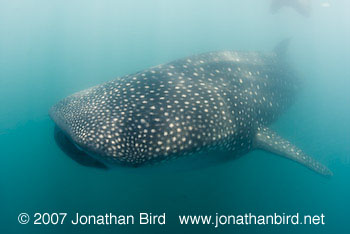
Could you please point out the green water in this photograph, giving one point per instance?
(50, 49)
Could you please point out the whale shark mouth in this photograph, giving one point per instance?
(64, 114)
(74, 151)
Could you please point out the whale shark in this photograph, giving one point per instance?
(211, 107)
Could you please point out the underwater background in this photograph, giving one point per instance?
(51, 49)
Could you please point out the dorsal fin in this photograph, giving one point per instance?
(268, 140)
(282, 47)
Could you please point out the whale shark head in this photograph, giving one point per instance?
(81, 126)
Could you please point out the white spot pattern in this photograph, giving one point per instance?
(212, 101)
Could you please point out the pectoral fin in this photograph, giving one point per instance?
(268, 140)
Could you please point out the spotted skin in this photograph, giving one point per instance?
(212, 101)
(268, 140)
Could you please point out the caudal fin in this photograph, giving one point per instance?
(268, 140)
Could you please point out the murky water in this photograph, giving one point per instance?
(50, 49)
